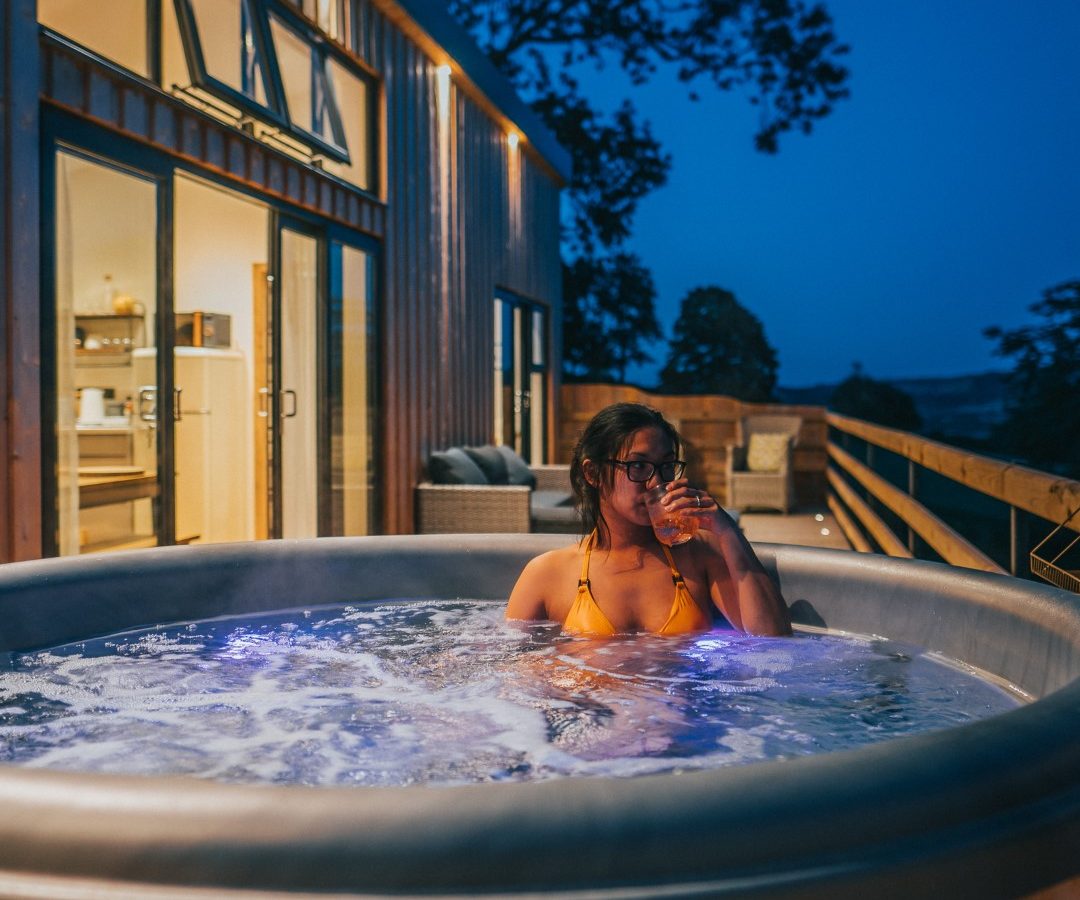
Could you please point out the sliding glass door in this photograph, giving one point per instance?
(352, 381)
(324, 385)
(107, 416)
(296, 475)
(520, 378)
(220, 267)
(213, 371)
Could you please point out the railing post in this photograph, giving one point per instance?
(870, 499)
(912, 484)
(1018, 542)
(1012, 539)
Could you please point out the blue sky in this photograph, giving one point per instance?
(942, 197)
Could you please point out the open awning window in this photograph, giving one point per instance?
(271, 64)
(309, 97)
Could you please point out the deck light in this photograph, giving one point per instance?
(512, 140)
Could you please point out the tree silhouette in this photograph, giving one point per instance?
(1042, 423)
(608, 303)
(863, 397)
(719, 347)
(783, 52)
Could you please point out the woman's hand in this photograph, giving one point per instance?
(700, 504)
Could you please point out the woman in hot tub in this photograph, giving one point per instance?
(619, 578)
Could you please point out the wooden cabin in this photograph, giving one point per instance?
(258, 258)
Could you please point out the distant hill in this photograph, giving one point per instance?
(963, 406)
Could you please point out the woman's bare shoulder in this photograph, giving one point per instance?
(542, 581)
(548, 568)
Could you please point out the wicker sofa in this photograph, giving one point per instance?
(458, 499)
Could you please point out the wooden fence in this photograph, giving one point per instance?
(709, 424)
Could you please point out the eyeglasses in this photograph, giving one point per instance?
(641, 470)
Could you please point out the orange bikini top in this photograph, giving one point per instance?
(588, 620)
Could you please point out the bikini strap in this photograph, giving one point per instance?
(584, 579)
(676, 575)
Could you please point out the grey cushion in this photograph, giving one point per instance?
(454, 466)
(553, 512)
(517, 470)
(491, 462)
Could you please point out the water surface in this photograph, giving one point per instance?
(446, 692)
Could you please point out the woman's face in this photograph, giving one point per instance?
(624, 497)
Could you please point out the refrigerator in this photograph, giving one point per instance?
(213, 442)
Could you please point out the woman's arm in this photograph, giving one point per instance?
(738, 583)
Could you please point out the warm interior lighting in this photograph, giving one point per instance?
(442, 92)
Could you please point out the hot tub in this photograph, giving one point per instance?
(991, 809)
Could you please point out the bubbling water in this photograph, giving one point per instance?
(446, 692)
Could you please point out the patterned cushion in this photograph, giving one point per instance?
(767, 452)
(453, 466)
(491, 463)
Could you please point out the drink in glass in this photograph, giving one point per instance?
(671, 526)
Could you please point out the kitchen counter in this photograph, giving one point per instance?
(104, 485)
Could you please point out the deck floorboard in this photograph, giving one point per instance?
(802, 526)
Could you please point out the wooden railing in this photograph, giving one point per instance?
(1023, 490)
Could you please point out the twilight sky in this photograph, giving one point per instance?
(942, 197)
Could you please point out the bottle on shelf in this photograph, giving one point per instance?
(108, 292)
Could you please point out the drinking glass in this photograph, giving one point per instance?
(671, 526)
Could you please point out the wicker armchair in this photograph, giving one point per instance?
(770, 489)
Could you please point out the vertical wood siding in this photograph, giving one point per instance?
(20, 364)
(438, 339)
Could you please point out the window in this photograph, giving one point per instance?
(352, 94)
(309, 101)
(227, 47)
(96, 28)
(261, 64)
(329, 15)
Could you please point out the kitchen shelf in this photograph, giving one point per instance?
(122, 332)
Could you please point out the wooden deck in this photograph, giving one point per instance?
(806, 526)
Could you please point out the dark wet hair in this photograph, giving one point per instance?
(606, 436)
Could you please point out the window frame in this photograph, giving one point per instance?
(276, 110)
(270, 120)
(202, 79)
(319, 48)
